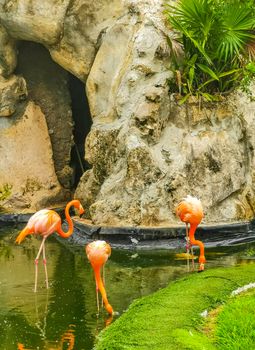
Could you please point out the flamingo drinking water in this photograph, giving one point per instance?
(44, 223)
(98, 253)
(190, 211)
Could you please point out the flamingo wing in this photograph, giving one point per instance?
(44, 222)
(190, 210)
(98, 252)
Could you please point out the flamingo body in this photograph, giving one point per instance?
(44, 223)
(190, 211)
(98, 253)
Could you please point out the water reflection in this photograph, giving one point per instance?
(66, 342)
(64, 317)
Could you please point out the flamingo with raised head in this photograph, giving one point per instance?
(98, 253)
(190, 211)
(44, 223)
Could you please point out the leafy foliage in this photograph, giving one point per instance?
(218, 38)
(5, 191)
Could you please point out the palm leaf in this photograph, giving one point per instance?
(224, 74)
(217, 38)
(193, 19)
(196, 44)
(195, 15)
(184, 99)
(192, 60)
(207, 70)
(234, 30)
(250, 67)
(208, 97)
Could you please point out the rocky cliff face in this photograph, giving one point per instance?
(26, 161)
(146, 152)
(47, 86)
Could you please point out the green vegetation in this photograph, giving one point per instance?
(236, 324)
(5, 191)
(218, 40)
(171, 318)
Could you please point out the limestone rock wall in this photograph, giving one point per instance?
(47, 85)
(71, 30)
(8, 58)
(13, 92)
(26, 162)
(146, 152)
(129, 101)
(42, 84)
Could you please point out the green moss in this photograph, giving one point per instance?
(5, 191)
(170, 318)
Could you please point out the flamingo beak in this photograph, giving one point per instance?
(201, 267)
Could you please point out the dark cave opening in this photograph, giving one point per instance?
(62, 98)
(82, 125)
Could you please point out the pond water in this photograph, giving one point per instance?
(65, 315)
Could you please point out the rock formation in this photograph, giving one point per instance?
(146, 152)
(26, 161)
(47, 85)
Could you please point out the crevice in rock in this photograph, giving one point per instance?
(62, 99)
(82, 125)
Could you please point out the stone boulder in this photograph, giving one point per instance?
(26, 163)
(13, 92)
(71, 30)
(160, 152)
(8, 56)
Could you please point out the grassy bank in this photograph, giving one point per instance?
(236, 324)
(170, 318)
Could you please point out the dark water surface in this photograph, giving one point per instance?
(64, 316)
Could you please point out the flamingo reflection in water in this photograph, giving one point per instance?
(67, 342)
(67, 338)
(190, 211)
(98, 253)
(44, 223)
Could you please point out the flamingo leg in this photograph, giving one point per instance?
(36, 263)
(193, 263)
(187, 245)
(97, 298)
(102, 301)
(45, 267)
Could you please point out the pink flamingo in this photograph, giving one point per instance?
(44, 223)
(190, 211)
(98, 253)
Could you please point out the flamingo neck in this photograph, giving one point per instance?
(101, 287)
(192, 231)
(69, 220)
(194, 241)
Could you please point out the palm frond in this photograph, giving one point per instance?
(250, 49)
(234, 31)
(218, 38)
(195, 16)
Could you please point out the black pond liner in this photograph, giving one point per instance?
(161, 237)
(138, 237)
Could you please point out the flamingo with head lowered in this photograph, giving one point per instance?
(98, 253)
(44, 223)
(190, 211)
